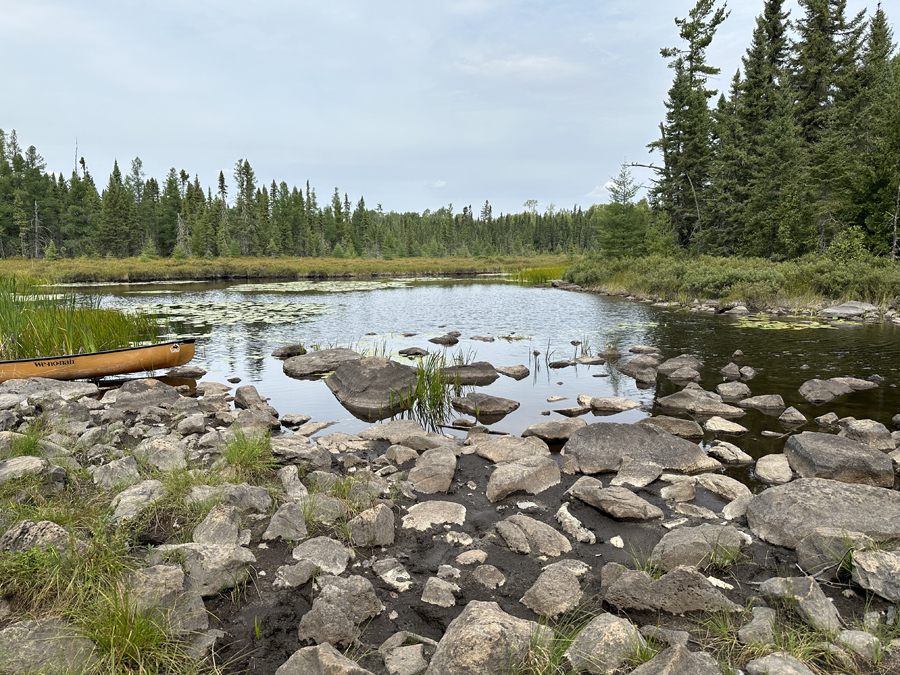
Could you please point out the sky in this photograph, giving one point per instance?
(413, 105)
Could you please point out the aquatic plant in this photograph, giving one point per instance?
(538, 275)
(34, 323)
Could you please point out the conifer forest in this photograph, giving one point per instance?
(801, 155)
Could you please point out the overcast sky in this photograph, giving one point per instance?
(411, 104)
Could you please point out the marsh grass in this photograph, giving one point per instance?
(27, 443)
(549, 642)
(34, 324)
(539, 275)
(250, 458)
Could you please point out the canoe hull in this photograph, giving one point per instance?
(100, 364)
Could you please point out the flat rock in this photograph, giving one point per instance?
(555, 431)
(827, 549)
(511, 449)
(117, 474)
(766, 402)
(674, 425)
(373, 387)
(685, 375)
(165, 589)
(40, 468)
(676, 660)
(777, 663)
(611, 404)
(728, 453)
(318, 362)
(854, 383)
(211, 568)
(618, 502)
(529, 474)
(733, 390)
(683, 589)
(484, 407)
(36, 387)
(135, 395)
(48, 646)
(818, 455)
(478, 373)
(244, 497)
(527, 535)
(725, 486)
(785, 514)
(697, 546)
(395, 431)
(439, 592)
(515, 372)
(719, 425)
(872, 433)
(849, 310)
(327, 554)
(413, 351)
(643, 349)
(636, 473)
(774, 469)
(341, 606)
(425, 515)
(483, 639)
(133, 500)
(601, 447)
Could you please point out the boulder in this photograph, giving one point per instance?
(511, 449)
(777, 663)
(684, 361)
(792, 417)
(601, 447)
(618, 502)
(603, 645)
(211, 568)
(675, 426)
(47, 646)
(879, 572)
(336, 614)
(702, 546)
(434, 471)
(221, 526)
(683, 589)
(828, 550)
(373, 387)
(484, 407)
(479, 373)
(728, 453)
(372, 527)
(321, 659)
(136, 395)
(37, 387)
(117, 474)
(804, 596)
(288, 523)
(555, 431)
(719, 425)
(821, 391)
(785, 514)
(849, 310)
(327, 554)
(515, 372)
(679, 659)
(318, 362)
(733, 390)
(288, 351)
(484, 639)
(818, 455)
(527, 535)
(133, 500)
(774, 469)
(767, 402)
(27, 534)
(557, 589)
(165, 590)
(872, 433)
(529, 474)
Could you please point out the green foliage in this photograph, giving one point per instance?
(249, 458)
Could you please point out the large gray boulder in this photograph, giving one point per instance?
(555, 431)
(785, 514)
(135, 395)
(373, 387)
(821, 391)
(39, 468)
(320, 660)
(601, 447)
(683, 589)
(850, 310)
(817, 455)
(318, 362)
(529, 474)
(395, 431)
(35, 387)
(484, 639)
(872, 433)
(479, 373)
(805, 596)
(557, 590)
(48, 646)
(684, 361)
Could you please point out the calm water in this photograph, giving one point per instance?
(333, 313)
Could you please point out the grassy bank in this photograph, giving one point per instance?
(136, 269)
(33, 323)
(756, 283)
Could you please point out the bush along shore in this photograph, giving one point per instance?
(808, 285)
(161, 529)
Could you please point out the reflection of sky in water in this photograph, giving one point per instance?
(550, 320)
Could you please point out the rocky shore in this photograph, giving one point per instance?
(595, 548)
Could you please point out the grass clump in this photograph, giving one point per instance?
(549, 642)
(34, 323)
(249, 458)
(27, 443)
(539, 275)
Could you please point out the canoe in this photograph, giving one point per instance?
(101, 364)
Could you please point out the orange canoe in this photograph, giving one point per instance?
(101, 364)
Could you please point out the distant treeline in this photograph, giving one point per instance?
(802, 155)
(47, 216)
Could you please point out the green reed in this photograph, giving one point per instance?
(35, 323)
(539, 275)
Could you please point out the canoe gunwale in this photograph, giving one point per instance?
(108, 351)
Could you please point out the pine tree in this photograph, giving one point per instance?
(117, 217)
(685, 142)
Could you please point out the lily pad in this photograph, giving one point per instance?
(773, 324)
(204, 313)
(318, 286)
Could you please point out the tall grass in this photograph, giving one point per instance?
(539, 275)
(34, 323)
(751, 281)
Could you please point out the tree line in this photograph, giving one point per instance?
(44, 215)
(801, 155)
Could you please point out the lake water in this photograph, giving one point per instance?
(238, 325)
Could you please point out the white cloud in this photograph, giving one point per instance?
(600, 192)
(438, 184)
(520, 65)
